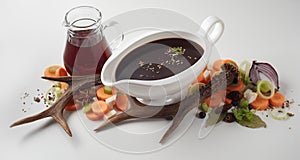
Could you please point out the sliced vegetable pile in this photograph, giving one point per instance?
(256, 89)
(97, 103)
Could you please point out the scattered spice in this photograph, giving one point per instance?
(290, 114)
(37, 99)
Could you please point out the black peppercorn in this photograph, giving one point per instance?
(229, 118)
(202, 115)
(169, 118)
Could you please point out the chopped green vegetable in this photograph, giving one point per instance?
(265, 88)
(242, 113)
(256, 122)
(87, 108)
(204, 107)
(243, 103)
(264, 85)
(107, 90)
(246, 80)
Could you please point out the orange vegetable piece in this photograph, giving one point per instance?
(100, 107)
(217, 64)
(277, 100)
(216, 99)
(64, 85)
(260, 103)
(55, 71)
(231, 62)
(101, 95)
(121, 103)
(93, 116)
(228, 101)
(71, 106)
(237, 87)
(201, 78)
(60, 71)
(50, 71)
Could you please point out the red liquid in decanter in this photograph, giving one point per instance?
(85, 53)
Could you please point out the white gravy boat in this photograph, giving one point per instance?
(167, 90)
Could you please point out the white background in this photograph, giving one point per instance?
(32, 37)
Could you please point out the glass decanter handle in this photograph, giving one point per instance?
(113, 34)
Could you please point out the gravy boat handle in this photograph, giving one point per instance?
(213, 28)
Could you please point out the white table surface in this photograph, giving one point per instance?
(32, 37)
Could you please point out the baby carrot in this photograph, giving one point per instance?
(260, 103)
(277, 100)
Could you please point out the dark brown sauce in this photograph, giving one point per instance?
(159, 59)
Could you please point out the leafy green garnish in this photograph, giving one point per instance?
(256, 122)
(242, 112)
(247, 118)
(178, 50)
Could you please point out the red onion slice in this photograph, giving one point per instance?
(260, 69)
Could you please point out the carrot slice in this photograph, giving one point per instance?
(237, 87)
(217, 64)
(71, 106)
(60, 71)
(64, 85)
(50, 71)
(260, 103)
(228, 101)
(121, 103)
(216, 99)
(55, 71)
(231, 62)
(201, 78)
(101, 95)
(277, 100)
(93, 116)
(100, 107)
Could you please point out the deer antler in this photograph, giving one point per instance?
(178, 110)
(136, 110)
(56, 110)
